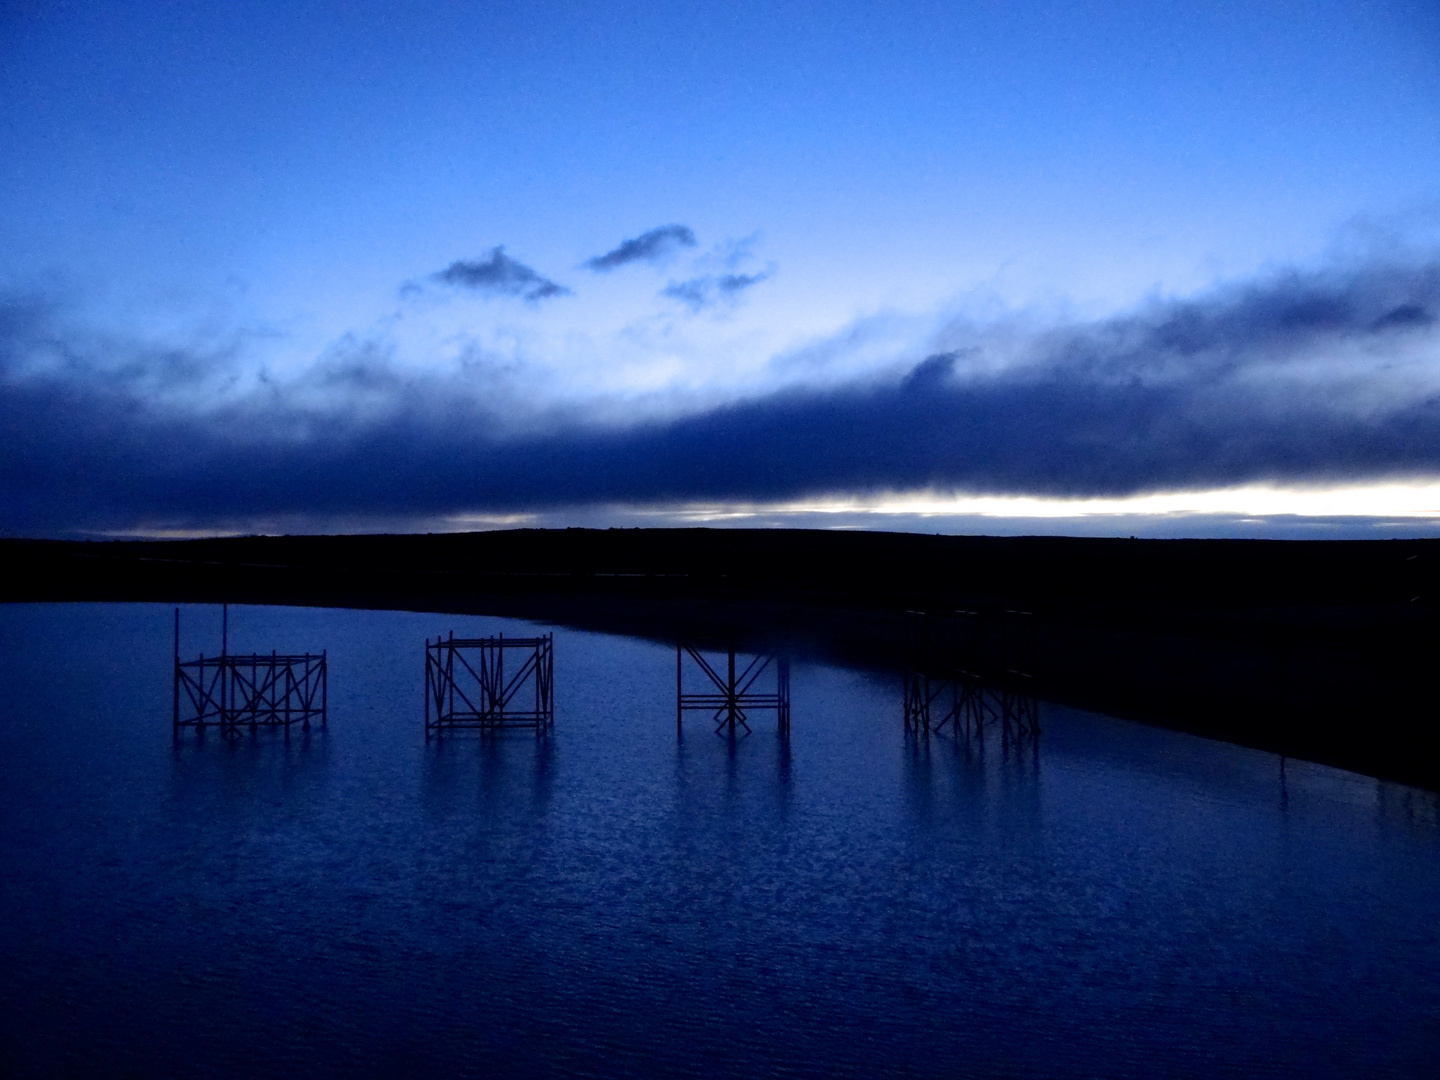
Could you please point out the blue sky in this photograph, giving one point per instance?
(229, 234)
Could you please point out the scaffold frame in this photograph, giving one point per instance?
(731, 692)
(251, 691)
(466, 685)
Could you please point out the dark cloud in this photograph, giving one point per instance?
(703, 291)
(729, 284)
(500, 275)
(647, 247)
(932, 372)
(1297, 379)
(1403, 316)
(693, 293)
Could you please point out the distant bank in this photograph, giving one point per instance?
(1325, 650)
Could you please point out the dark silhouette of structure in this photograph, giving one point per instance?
(966, 669)
(730, 693)
(253, 690)
(467, 686)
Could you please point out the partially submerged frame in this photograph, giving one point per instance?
(489, 683)
(251, 690)
(730, 691)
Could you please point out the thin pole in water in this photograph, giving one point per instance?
(730, 693)
(177, 674)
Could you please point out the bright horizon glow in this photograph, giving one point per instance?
(1415, 502)
(1419, 499)
(1410, 499)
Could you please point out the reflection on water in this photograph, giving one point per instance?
(960, 773)
(212, 774)
(613, 899)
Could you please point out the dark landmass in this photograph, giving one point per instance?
(1323, 650)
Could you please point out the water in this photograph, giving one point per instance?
(611, 901)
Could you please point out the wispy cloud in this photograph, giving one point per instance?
(702, 292)
(1301, 378)
(500, 275)
(647, 247)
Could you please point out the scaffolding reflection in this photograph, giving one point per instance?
(966, 670)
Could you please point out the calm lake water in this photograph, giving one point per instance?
(612, 902)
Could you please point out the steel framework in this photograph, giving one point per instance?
(466, 684)
(969, 668)
(253, 690)
(730, 694)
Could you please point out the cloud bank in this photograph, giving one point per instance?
(1300, 378)
(647, 247)
(499, 275)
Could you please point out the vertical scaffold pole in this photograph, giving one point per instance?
(177, 674)
(225, 717)
(730, 691)
(783, 694)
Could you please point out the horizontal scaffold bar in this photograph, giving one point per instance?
(493, 642)
(258, 660)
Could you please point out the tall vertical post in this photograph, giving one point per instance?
(177, 674)
(223, 672)
(679, 707)
(730, 691)
(782, 693)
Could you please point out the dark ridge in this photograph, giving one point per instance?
(1323, 650)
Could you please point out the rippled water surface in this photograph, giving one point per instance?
(613, 901)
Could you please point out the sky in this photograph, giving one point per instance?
(1103, 268)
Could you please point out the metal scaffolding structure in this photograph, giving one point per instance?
(467, 685)
(967, 669)
(251, 691)
(731, 693)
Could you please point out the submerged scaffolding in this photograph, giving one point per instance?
(731, 694)
(466, 685)
(969, 668)
(253, 690)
